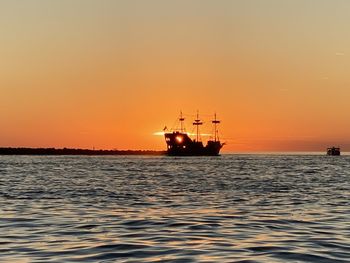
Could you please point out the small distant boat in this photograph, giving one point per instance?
(179, 142)
(335, 151)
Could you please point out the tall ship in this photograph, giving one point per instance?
(179, 142)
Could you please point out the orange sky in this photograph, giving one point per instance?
(108, 74)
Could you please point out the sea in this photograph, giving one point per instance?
(230, 208)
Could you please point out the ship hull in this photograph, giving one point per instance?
(179, 144)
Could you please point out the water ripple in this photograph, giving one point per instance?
(233, 208)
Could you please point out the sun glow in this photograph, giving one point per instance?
(160, 133)
(179, 139)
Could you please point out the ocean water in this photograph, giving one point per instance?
(232, 208)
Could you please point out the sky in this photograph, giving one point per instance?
(109, 74)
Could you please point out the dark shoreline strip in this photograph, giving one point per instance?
(67, 151)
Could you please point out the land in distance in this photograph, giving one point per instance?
(67, 151)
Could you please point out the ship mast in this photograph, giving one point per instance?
(197, 122)
(215, 122)
(181, 119)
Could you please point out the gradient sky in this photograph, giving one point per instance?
(108, 74)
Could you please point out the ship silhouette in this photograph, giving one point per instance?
(333, 151)
(179, 142)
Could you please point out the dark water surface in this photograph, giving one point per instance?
(233, 208)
